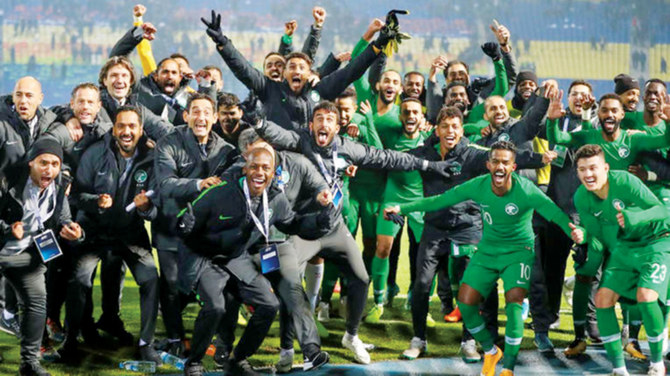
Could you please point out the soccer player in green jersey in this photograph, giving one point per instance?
(616, 208)
(505, 251)
(649, 119)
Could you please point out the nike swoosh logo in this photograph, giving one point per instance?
(223, 218)
(185, 164)
(11, 142)
(181, 225)
(597, 214)
(520, 282)
(78, 148)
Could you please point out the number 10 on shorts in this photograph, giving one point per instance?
(525, 271)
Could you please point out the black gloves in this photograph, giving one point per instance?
(439, 167)
(214, 29)
(253, 110)
(397, 219)
(186, 222)
(390, 36)
(492, 50)
(579, 253)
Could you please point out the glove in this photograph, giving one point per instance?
(397, 219)
(439, 168)
(492, 50)
(253, 110)
(579, 253)
(390, 36)
(186, 221)
(214, 29)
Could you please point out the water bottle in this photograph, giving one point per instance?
(172, 360)
(138, 366)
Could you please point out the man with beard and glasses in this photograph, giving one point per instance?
(32, 204)
(221, 228)
(230, 123)
(291, 101)
(507, 203)
(115, 172)
(334, 155)
(617, 210)
(628, 89)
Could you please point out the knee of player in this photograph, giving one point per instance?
(515, 295)
(268, 309)
(644, 295)
(605, 298)
(468, 295)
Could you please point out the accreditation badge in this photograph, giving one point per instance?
(269, 259)
(47, 245)
(562, 152)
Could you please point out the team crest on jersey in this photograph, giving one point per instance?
(314, 96)
(140, 176)
(503, 137)
(623, 152)
(285, 177)
(511, 209)
(618, 204)
(455, 168)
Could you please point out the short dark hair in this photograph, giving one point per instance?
(272, 54)
(413, 73)
(160, 63)
(128, 108)
(408, 100)
(580, 82)
(299, 55)
(328, 106)
(114, 61)
(454, 62)
(177, 55)
(246, 138)
(227, 100)
(610, 96)
(389, 71)
(213, 67)
(454, 84)
(655, 81)
(349, 92)
(503, 145)
(588, 151)
(198, 96)
(447, 112)
(85, 85)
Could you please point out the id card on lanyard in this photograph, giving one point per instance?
(335, 188)
(47, 245)
(561, 150)
(269, 255)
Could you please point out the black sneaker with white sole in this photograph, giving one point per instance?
(318, 360)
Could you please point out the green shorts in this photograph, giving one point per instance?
(389, 228)
(631, 268)
(365, 206)
(513, 268)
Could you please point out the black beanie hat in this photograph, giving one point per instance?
(624, 82)
(525, 76)
(45, 146)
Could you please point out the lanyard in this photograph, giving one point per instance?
(38, 207)
(265, 227)
(329, 178)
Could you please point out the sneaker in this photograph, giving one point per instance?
(285, 363)
(374, 314)
(469, 351)
(657, 369)
(575, 348)
(490, 361)
(11, 326)
(147, 352)
(555, 325)
(525, 309)
(113, 326)
(69, 352)
(543, 343)
(55, 330)
(593, 333)
(323, 312)
(242, 368)
(417, 347)
(623, 372)
(193, 369)
(633, 349)
(355, 345)
(321, 330)
(222, 358)
(391, 293)
(48, 353)
(32, 369)
(453, 316)
(430, 322)
(318, 360)
(506, 372)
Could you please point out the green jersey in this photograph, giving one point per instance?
(644, 214)
(404, 186)
(365, 177)
(619, 153)
(507, 219)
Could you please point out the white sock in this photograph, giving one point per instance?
(350, 337)
(7, 315)
(657, 364)
(313, 278)
(492, 351)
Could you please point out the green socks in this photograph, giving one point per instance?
(580, 302)
(379, 275)
(330, 275)
(611, 337)
(653, 324)
(513, 334)
(475, 324)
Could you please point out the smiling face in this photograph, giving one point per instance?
(44, 169)
(496, 111)
(229, 117)
(324, 127)
(200, 117)
(457, 96)
(347, 107)
(389, 86)
(258, 170)
(526, 89)
(117, 81)
(411, 115)
(610, 114)
(85, 105)
(273, 67)
(450, 131)
(592, 172)
(576, 96)
(127, 131)
(296, 73)
(501, 164)
(630, 98)
(413, 85)
(654, 97)
(27, 97)
(168, 76)
(457, 72)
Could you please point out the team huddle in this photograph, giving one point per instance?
(254, 206)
